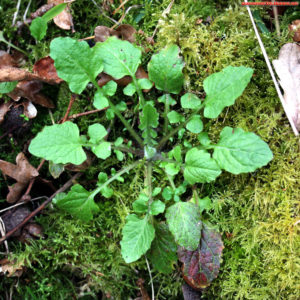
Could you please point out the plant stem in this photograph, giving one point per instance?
(139, 91)
(149, 181)
(2, 39)
(167, 108)
(118, 174)
(175, 130)
(171, 181)
(122, 119)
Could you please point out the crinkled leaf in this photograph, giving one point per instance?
(183, 219)
(38, 28)
(175, 117)
(163, 249)
(165, 70)
(223, 88)
(78, 203)
(96, 132)
(157, 207)
(75, 62)
(60, 143)
(138, 235)
(240, 152)
(195, 125)
(190, 101)
(120, 58)
(7, 87)
(200, 167)
(103, 150)
(201, 267)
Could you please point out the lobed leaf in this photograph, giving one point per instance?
(200, 167)
(60, 143)
(240, 152)
(223, 88)
(183, 219)
(78, 203)
(201, 267)
(75, 62)
(165, 70)
(138, 235)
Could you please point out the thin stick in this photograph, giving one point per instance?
(3, 231)
(151, 279)
(103, 14)
(65, 118)
(271, 72)
(122, 4)
(124, 15)
(16, 13)
(41, 207)
(275, 11)
(26, 11)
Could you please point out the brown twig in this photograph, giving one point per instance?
(41, 207)
(65, 118)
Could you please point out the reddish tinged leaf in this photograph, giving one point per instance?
(189, 293)
(201, 267)
(45, 69)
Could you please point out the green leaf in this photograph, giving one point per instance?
(55, 169)
(55, 11)
(204, 139)
(195, 125)
(130, 89)
(119, 154)
(141, 204)
(204, 204)
(167, 193)
(200, 167)
(144, 83)
(175, 117)
(157, 207)
(190, 101)
(172, 169)
(120, 58)
(60, 143)
(156, 191)
(103, 150)
(7, 87)
(163, 99)
(149, 120)
(165, 70)
(241, 152)
(38, 28)
(223, 88)
(163, 249)
(96, 132)
(184, 222)
(105, 191)
(75, 62)
(110, 88)
(78, 203)
(100, 101)
(138, 235)
(118, 141)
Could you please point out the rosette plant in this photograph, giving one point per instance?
(162, 219)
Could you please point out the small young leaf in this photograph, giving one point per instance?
(38, 28)
(204, 204)
(138, 235)
(119, 154)
(163, 249)
(175, 117)
(118, 141)
(129, 90)
(195, 125)
(7, 87)
(144, 83)
(172, 169)
(157, 207)
(223, 88)
(105, 191)
(110, 88)
(204, 139)
(165, 70)
(78, 203)
(167, 193)
(201, 267)
(100, 101)
(184, 222)
(103, 150)
(96, 132)
(156, 191)
(190, 101)
(120, 58)
(60, 143)
(200, 167)
(141, 204)
(55, 169)
(163, 99)
(241, 152)
(75, 62)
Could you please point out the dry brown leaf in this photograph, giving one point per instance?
(287, 67)
(42, 10)
(10, 268)
(102, 33)
(4, 108)
(22, 172)
(127, 32)
(294, 28)
(31, 91)
(45, 69)
(64, 20)
(6, 60)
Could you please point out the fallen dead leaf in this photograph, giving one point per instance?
(22, 172)
(287, 67)
(64, 20)
(294, 28)
(42, 10)
(45, 69)
(10, 268)
(4, 108)
(6, 60)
